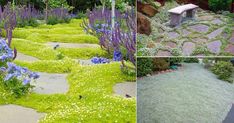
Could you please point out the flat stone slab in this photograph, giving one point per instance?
(72, 45)
(215, 33)
(163, 53)
(51, 83)
(128, 88)
(172, 35)
(232, 38)
(214, 46)
(18, 114)
(23, 57)
(171, 44)
(200, 28)
(217, 21)
(230, 49)
(185, 32)
(188, 48)
(200, 40)
(85, 62)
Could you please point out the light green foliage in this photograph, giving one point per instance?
(49, 66)
(83, 53)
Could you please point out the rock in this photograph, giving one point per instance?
(199, 40)
(172, 35)
(146, 9)
(171, 44)
(206, 18)
(214, 46)
(150, 45)
(215, 33)
(185, 32)
(126, 89)
(200, 28)
(143, 24)
(230, 49)
(163, 53)
(217, 21)
(188, 48)
(232, 38)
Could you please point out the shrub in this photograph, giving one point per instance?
(160, 64)
(144, 66)
(218, 5)
(175, 60)
(191, 60)
(223, 70)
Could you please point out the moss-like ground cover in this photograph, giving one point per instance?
(94, 83)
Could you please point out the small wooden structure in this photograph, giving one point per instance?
(176, 14)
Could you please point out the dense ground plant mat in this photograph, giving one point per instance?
(210, 34)
(98, 104)
(191, 94)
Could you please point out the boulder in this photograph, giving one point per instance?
(143, 24)
(146, 9)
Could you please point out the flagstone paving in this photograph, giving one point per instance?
(191, 94)
(23, 57)
(18, 114)
(51, 83)
(125, 88)
(204, 34)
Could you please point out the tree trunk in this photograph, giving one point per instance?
(46, 13)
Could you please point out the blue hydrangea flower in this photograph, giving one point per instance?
(117, 56)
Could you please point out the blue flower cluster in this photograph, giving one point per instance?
(117, 56)
(21, 73)
(5, 51)
(100, 60)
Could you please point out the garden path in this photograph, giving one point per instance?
(124, 88)
(192, 94)
(209, 34)
(23, 57)
(18, 114)
(72, 45)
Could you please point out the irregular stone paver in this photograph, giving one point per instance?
(200, 28)
(150, 45)
(200, 40)
(230, 49)
(185, 32)
(214, 46)
(51, 83)
(23, 57)
(18, 114)
(72, 45)
(85, 62)
(163, 53)
(171, 44)
(217, 21)
(205, 18)
(232, 38)
(190, 95)
(188, 48)
(172, 35)
(128, 88)
(215, 33)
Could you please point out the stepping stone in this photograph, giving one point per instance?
(217, 21)
(171, 44)
(128, 88)
(51, 83)
(172, 35)
(23, 57)
(230, 116)
(188, 48)
(150, 45)
(85, 62)
(200, 28)
(72, 45)
(232, 38)
(230, 49)
(163, 53)
(205, 18)
(215, 33)
(214, 46)
(200, 40)
(18, 114)
(185, 32)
